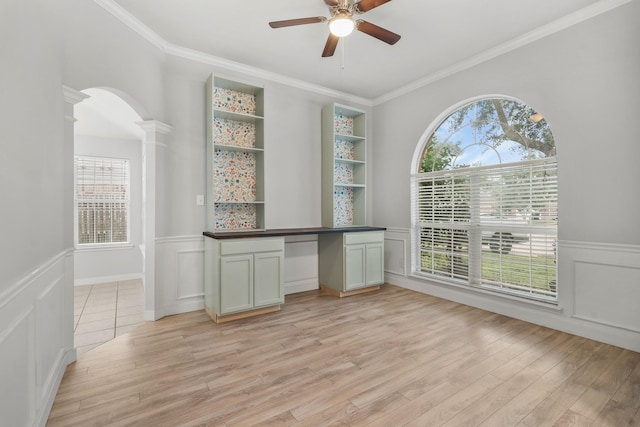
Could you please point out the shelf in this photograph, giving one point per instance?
(350, 161)
(350, 138)
(344, 169)
(240, 117)
(235, 155)
(338, 184)
(240, 202)
(237, 148)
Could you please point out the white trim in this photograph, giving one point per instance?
(559, 24)
(616, 247)
(67, 358)
(107, 279)
(197, 56)
(14, 290)
(196, 238)
(72, 96)
(97, 247)
(553, 27)
(155, 126)
(132, 22)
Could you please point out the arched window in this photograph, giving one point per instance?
(485, 200)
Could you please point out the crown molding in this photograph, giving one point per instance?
(193, 55)
(132, 22)
(560, 24)
(546, 30)
(205, 58)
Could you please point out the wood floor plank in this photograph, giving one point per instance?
(389, 358)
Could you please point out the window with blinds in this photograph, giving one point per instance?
(101, 200)
(492, 226)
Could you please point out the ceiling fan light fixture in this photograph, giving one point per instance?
(341, 25)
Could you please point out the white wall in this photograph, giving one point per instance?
(99, 265)
(36, 218)
(584, 80)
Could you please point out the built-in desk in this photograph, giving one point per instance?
(277, 232)
(244, 271)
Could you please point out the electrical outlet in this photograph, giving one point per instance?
(200, 200)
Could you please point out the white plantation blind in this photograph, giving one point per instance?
(102, 200)
(492, 226)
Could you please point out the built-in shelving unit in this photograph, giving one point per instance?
(235, 155)
(343, 166)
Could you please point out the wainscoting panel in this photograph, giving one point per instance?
(594, 283)
(179, 275)
(50, 333)
(300, 263)
(190, 273)
(604, 283)
(18, 402)
(36, 341)
(396, 247)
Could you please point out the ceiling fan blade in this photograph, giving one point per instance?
(299, 21)
(331, 2)
(377, 32)
(366, 5)
(330, 47)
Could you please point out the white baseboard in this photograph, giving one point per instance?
(69, 357)
(106, 279)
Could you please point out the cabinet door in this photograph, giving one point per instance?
(269, 279)
(374, 264)
(354, 263)
(236, 283)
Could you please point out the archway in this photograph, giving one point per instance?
(110, 125)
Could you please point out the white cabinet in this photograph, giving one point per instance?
(344, 169)
(243, 276)
(235, 155)
(364, 265)
(351, 262)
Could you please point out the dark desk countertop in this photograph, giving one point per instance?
(288, 232)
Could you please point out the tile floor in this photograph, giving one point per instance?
(106, 310)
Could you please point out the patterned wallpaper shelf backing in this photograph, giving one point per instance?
(344, 149)
(233, 101)
(234, 133)
(343, 206)
(343, 124)
(343, 173)
(235, 155)
(234, 176)
(235, 216)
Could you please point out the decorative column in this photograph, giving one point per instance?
(71, 98)
(152, 145)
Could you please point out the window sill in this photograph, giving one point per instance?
(473, 289)
(104, 247)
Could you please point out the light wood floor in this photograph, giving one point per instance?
(389, 358)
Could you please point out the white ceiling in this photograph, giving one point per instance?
(438, 36)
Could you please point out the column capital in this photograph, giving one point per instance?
(72, 96)
(155, 126)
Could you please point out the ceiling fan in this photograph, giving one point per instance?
(341, 23)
